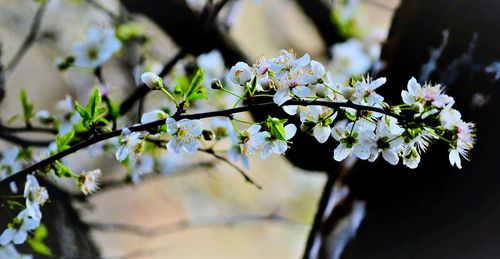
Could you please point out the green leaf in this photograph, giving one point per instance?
(195, 83)
(277, 128)
(129, 31)
(62, 170)
(63, 141)
(351, 117)
(182, 85)
(36, 242)
(27, 106)
(94, 103)
(93, 110)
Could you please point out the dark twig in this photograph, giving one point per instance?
(22, 141)
(146, 127)
(142, 89)
(162, 144)
(27, 129)
(30, 38)
(248, 179)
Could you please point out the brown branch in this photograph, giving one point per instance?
(149, 126)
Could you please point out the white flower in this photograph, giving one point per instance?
(240, 73)
(261, 70)
(366, 91)
(278, 146)
(449, 117)
(88, 182)
(411, 157)
(153, 116)
(413, 95)
(349, 58)
(331, 90)
(316, 120)
(185, 134)
(290, 85)
(287, 62)
(314, 75)
(66, 116)
(250, 140)
(352, 138)
(422, 141)
(152, 80)
(130, 143)
(17, 232)
(35, 196)
(9, 251)
(100, 46)
(462, 142)
(235, 153)
(385, 142)
(418, 97)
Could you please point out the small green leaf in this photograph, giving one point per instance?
(351, 117)
(27, 107)
(63, 141)
(277, 128)
(196, 84)
(62, 170)
(36, 242)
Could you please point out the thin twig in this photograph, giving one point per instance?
(248, 179)
(223, 113)
(23, 142)
(162, 144)
(142, 89)
(30, 38)
(27, 129)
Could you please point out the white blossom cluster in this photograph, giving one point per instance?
(29, 218)
(328, 106)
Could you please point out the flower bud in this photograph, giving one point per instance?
(208, 135)
(153, 81)
(266, 84)
(153, 116)
(216, 84)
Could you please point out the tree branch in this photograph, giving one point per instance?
(223, 113)
(142, 90)
(22, 141)
(248, 179)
